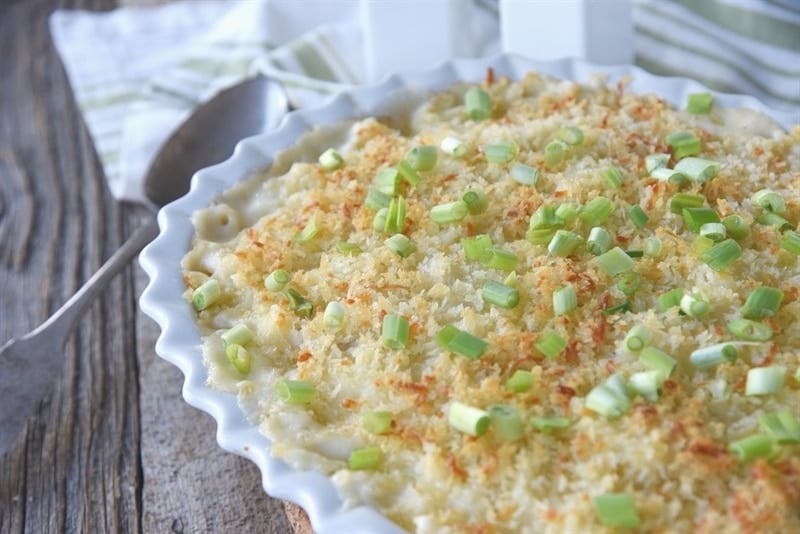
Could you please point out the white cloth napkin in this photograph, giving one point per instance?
(137, 72)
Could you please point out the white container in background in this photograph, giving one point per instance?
(413, 35)
(600, 31)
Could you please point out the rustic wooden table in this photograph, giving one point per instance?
(113, 448)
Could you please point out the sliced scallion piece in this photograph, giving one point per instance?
(511, 279)
(638, 216)
(694, 305)
(790, 242)
(765, 380)
(381, 218)
(698, 169)
(572, 135)
(295, 391)
(237, 335)
(680, 201)
(668, 175)
(736, 226)
(647, 384)
(769, 218)
(564, 300)
(637, 338)
(715, 231)
(239, 357)
(622, 307)
(615, 261)
(545, 217)
(713, 355)
(699, 103)
(364, 459)
(476, 201)
(423, 158)
(596, 211)
(655, 161)
(599, 241)
(477, 104)
(769, 200)
(388, 181)
(449, 212)
(701, 244)
(502, 152)
(609, 398)
(652, 246)
(670, 299)
(206, 294)
(616, 510)
(520, 382)
(684, 144)
(782, 426)
(722, 254)
(524, 174)
(628, 282)
(549, 423)
(500, 294)
(377, 199)
(762, 302)
(568, 211)
(554, 152)
(476, 248)
(564, 243)
(446, 335)
(395, 216)
(752, 447)
(334, 314)
(467, 419)
(505, 422)
(467, 345)
(394, 332)
(750, 330)
(695, 218)
(613, 177)
(501, 259)
(348, 249)
(330, 160)
(550, 344)
(408, 173)
(377, 422)
(309, 231)
(656, 359)
(454, 147)
(400, 245)
(540, 236)
(299, 304)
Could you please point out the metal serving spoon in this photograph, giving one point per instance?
(30, 364)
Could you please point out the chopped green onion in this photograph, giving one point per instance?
(647, 384)
(684, 144)
(348, 249)
(309, 231)
(408, 173)
(549, 423)
(765, 380)
(701, 244)
(564, 243)
(446, 335)
(395, 216)
(400, 245)
(652, 246)
(790, 242)
(637, 337)
(628, 282)
(763, 302)
(520, 382)
(237, 335)
(613, 177)
(769, 200)
(698, 169)
(670, 299)
(655, 161)
(377, 422)
(736, 227)
(330, 160)
(751, 447)
(615, 261)
(695, 218)
(545, 217)
(750, 330)
(609, 398)
(501, 259)
(377, 199)
(500, 294)
(464, 418)
(782, 427)
(773, 219)
(634, 253)
(477, 104)
(619, 308)
(502, 152)
(596, 211)
(540, 236)
(295, 391)
(467, 345)
(564, 300)
(638, 216)
(239, 357)
(572, 135)
(680, 201)
(694, 305)
(206, 294)
(454, 147)
(699, 103)
(524, 174)
(616, 510)
(334, 314)
(554, 152)
(388, 181)
(301, 306)
(449, 212)
(599, 241)
(656, 359)
(364, 459)
(671, 176)
(511, 279)
(476, 202)
(722, 254)
(713, 355)
(567, 211)
(423, 158)
(550, 344)
(395, 331)
(476, 248)
(506, 422)
(381, 219)
(715, 231)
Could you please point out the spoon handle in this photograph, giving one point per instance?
(59, 325)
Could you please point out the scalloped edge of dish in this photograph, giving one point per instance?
(162, 299)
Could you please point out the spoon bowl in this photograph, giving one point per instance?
(31, 363)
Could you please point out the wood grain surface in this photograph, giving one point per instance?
(113, 447)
